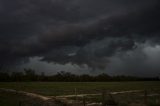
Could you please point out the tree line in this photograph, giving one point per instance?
(30, 75)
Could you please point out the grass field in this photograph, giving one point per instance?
(12, 99)
(65, 88)
(7, 99)
(68, 88)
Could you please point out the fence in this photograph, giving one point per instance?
(100, 98)
(123, 98)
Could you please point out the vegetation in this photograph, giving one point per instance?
(67, 88)
(30, 75)
(12, 99)
(65, 83)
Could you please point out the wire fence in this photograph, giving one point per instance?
(99, 98)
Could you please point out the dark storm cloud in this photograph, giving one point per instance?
(94, 54)
(75, 31)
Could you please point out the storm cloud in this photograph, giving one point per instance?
(81, 32)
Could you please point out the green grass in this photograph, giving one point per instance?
(123, 99)
(13, 99)
(7, 99)
(67, 88)
(64, 88)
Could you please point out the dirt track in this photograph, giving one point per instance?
(113, 93)
(47, 101)
(59, 100)
(33, 95)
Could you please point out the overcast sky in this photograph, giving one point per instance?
(81, 36)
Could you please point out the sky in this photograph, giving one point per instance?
(118, 37)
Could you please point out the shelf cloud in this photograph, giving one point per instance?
(81, 32)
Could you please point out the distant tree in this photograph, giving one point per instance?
(62, 76)
(103, 77)
(30, 75)
(42, 77)
(1, 66)
(4, 76)
(85, 77)
(17, 76)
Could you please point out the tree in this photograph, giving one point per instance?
(4, 76)
(17, 76)
(30, 75)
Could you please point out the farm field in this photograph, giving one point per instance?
(57, 89)
(68, 88)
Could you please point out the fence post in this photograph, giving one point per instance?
(103, 98)
(113, 102)
(84, 101)
(20, 103)
(145, 97)
(75, 91)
